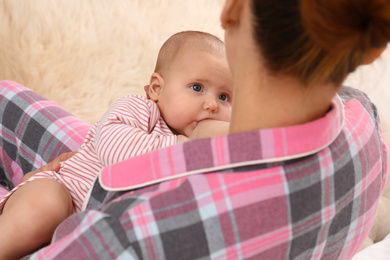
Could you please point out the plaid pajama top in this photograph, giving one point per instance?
(302, 192)
(130, 127)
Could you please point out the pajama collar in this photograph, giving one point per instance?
(225, 152)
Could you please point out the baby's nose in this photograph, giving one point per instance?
(211, 104)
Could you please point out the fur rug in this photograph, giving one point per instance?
(84, 54)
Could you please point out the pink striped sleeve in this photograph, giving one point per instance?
(131, 127)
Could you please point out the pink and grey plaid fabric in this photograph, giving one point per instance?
(303, 192)
(34, 131)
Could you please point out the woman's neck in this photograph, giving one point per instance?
(265, 101)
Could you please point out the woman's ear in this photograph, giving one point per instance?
(156, 85)
(231, 12)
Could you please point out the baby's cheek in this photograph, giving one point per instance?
(226, 115)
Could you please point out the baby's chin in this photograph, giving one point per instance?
(187, 131)
(176, 132)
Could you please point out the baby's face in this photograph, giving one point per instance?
(198, 86)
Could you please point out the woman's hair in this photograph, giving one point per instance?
(319, 41)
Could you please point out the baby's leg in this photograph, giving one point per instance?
(31, 215)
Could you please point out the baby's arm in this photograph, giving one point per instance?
(129, 129)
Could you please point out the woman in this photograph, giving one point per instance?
(301, 172)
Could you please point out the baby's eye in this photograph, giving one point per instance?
(224, 97)
(196, 87)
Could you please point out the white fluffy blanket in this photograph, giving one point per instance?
(84, 54)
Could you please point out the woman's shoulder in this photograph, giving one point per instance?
(348, 94)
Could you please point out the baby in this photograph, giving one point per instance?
(191, 86)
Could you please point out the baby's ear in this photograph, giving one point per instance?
(154, 89)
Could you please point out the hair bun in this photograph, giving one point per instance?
(342, 25)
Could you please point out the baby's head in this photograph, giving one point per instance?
(192, 81)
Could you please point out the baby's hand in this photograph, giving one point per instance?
(52, 166)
